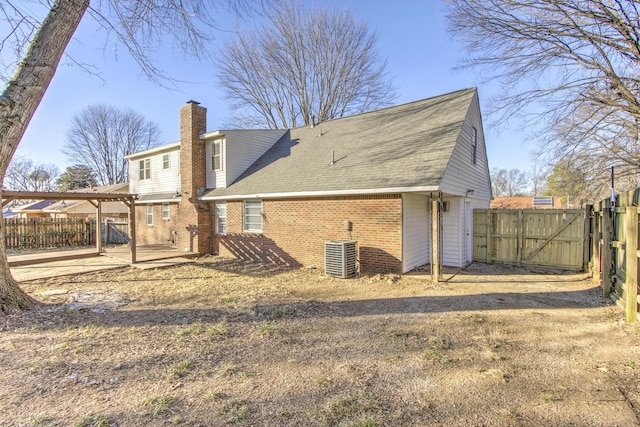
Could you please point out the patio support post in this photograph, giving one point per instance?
(435, 240)
(99, 227)
(132, 228)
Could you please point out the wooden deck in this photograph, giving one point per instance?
(51, 264)
(147, 252)
(144, 253)
(42, 257)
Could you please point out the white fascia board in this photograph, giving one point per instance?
(213, 135)
(151, 202)
(154, 150)
(325, 193)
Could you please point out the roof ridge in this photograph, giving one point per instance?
(473, 88)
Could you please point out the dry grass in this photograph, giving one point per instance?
(225, 342)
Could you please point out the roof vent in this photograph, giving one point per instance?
(543, 201)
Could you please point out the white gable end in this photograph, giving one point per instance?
(240, 149)
(461, 173)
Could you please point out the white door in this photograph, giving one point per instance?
(468, 230)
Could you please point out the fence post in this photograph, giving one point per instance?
(586, 245)
(489, 228)
(519, 236)
(595, 240)
(631, 279)
(606, 248)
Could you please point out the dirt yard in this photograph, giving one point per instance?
(222, 342)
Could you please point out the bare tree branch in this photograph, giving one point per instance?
(25, 175)
(572, 67)
(304, 66)
(101, 135)
(508, 182)
(139, 25)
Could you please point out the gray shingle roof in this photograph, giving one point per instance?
(405, 146)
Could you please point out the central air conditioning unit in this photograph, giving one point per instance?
(340, 258)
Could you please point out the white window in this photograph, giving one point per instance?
(145, 169)
(166, 164)
(149, 214)
(221, 217)
(474, 146)
(165, 211)
(252, 217)
(216, 155)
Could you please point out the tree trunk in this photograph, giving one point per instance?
(18, 103)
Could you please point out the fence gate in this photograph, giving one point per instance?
(544, 237)
(615, 231)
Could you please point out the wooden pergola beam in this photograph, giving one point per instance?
(95, 199)
(67, 195)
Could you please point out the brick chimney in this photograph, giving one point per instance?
(194, 219)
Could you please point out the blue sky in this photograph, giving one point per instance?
(412, 36)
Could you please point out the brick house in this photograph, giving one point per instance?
(278, 195)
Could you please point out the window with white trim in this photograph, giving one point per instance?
(165, 211)
(145, 169)
(216, 155)
(221, 217)
(166, 164)
(149, 214)
(474, 145)
(252, 216)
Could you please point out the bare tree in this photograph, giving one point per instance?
(508, 182)
(101, 135)
(576, 64)
(25, 175)
(538, 177)
(137, 25)
(304, 66)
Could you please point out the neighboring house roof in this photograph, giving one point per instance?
(401, 148)
(66, 205)
(36, 206)
(522, 202)
(8, 213)
(112, 188)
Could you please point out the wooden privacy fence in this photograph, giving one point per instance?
(46, 233)
(614, 249)
(545, 237)
(115, 232)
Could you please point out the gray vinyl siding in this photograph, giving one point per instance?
(451, 233)
(461, 174)
(454, 229)
(416, 231)
(216, 179)
(240, 149)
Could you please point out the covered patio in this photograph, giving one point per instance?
(96, 199)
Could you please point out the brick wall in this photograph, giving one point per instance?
(161, 230)
(294, 231)
(193, 222)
